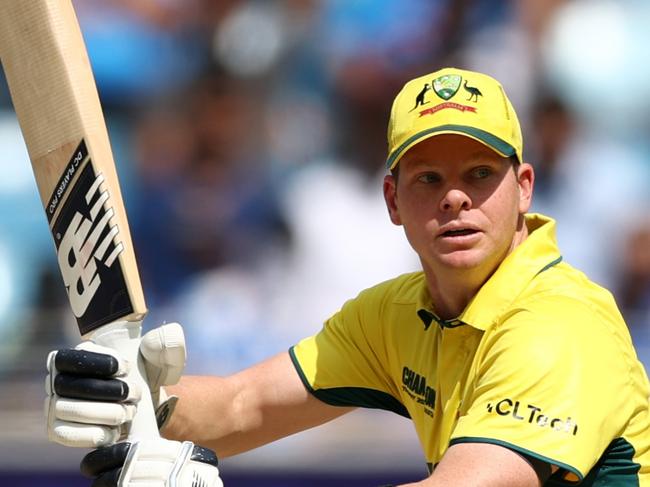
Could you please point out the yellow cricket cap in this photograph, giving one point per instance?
(453, 101)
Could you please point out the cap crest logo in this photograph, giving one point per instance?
(447, 86)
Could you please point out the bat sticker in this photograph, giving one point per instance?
(79, 157)
(88, 245)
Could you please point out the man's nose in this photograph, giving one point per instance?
(455, 200)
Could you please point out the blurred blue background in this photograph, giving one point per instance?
(250, 139)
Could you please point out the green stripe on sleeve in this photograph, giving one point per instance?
(615, 468)
(301, 374)
(351, 396)
(523, 451)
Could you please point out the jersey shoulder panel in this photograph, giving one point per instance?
(350, 361)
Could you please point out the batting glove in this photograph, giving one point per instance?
(91, 401)
(152, 463)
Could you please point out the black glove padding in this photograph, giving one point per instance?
(94, 391)
(105, 464)
(88, 375)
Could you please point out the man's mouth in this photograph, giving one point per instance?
(458, 232)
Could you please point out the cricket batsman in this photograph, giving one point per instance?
(515, 368)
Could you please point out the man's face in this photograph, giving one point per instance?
(461, 204)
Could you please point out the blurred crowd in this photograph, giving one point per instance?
(250, 141)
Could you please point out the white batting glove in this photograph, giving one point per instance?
(90, 401)
(152, 463)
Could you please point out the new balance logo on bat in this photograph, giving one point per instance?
(86, 241)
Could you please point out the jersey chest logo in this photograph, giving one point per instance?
(415, 385)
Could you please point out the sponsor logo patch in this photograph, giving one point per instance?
(531, 414)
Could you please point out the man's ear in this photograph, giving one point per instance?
(526, 181)
(390, 196)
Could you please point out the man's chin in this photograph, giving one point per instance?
(462, 259)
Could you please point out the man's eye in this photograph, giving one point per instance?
(481, 172)
(429, 178)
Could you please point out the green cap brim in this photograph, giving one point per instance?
(495, 143)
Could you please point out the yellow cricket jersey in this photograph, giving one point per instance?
(540, 362)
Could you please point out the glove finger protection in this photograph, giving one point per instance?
(90, 400)
(152, 463)
(164, 355)
(88, 396)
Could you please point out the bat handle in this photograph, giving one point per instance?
(124, 336)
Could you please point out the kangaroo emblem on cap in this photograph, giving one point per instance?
(419, 100)
(473, 92)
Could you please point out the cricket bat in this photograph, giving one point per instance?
(54, 94)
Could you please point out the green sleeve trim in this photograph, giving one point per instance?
(351, 396)
(301, 374)
(616, 466)
(524, 451)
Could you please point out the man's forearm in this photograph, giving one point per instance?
(251, 408)
(207, 413)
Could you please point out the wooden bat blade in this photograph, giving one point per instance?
(54, 94)
(55, 98)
